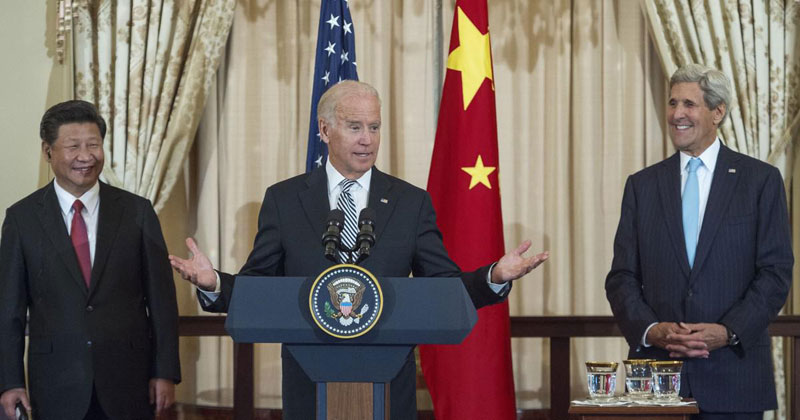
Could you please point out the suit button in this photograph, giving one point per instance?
(689, 293)
(89, 308)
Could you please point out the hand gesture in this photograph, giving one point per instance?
(514, 265)
(699, 342)
(198, 269)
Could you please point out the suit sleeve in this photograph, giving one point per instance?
(767, 293)
(266, 258)
(624, 281)
(431, 259)
(13, 306)
(161, 301)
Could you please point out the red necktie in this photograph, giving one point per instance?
(80, 241)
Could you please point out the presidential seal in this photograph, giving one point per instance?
(346, 301)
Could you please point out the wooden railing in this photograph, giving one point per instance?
(560, 330)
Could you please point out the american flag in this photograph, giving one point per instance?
(335, 61)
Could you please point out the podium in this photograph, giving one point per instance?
(415, 311)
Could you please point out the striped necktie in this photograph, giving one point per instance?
(346, 204)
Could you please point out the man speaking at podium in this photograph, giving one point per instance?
(293, 215)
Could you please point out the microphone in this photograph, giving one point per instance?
(366, 232)
(333, 233)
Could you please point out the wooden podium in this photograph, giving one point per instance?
(632, 412)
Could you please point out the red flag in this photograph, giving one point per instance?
(473, 380)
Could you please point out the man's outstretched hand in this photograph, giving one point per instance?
(197, 269)
(514, 265)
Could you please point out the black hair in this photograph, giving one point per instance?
(74, 111)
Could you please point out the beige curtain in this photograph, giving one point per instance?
(754, 42)
(580, 97)
(148, 66)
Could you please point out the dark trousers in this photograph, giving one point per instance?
(95, 409)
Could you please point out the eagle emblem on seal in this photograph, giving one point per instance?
(345, 305)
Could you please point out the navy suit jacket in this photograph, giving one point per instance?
(741, 275)
(288, 243)
(114, 336)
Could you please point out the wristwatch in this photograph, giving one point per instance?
(733, 339)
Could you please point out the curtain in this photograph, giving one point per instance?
(148, 66)
(580, 106)
(754, 43)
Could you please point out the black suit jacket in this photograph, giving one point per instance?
(741, 275)
(288, 243)
(117, 334)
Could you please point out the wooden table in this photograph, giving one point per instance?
(631, 412)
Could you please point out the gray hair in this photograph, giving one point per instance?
(329, 101)
(715, 85)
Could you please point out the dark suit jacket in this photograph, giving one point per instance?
(288, 243)
(117, 334)
(741, 275)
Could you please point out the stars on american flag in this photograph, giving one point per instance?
(331, 48)
(333, 21)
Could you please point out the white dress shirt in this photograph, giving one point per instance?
(705, 173)
(91, 205)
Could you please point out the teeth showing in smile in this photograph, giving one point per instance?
(682, 127)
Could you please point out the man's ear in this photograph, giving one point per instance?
(719, 113)
(46, 150)
(323, 126)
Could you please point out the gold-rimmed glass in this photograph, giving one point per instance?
(667, 379)
(601, 378)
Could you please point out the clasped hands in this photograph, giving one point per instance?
(688, 340)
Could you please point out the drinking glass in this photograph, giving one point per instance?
(601, 378)
(667, 379)
(638, 378)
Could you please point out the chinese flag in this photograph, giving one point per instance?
(472, 380)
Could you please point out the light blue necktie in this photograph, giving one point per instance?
(691, 209)
(348, 206)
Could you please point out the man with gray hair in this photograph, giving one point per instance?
(703, 258)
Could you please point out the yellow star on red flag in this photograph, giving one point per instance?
(473, 57)
(479, 173)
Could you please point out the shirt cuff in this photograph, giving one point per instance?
(644, 336)
(212, 296)
(498, 288)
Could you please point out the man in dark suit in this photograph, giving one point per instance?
(292, 220)
(88, 263)
(703, 258)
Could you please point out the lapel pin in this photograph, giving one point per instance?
(732, 170)
(384, 201)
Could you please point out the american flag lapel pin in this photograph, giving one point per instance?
(732, 170)
(384, 200)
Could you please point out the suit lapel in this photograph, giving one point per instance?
(108, 220)
(719, 197)
(669, 188)
(49, 213)
(382, 199)
(315, 201)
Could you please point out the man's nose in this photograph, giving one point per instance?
(84, 154)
